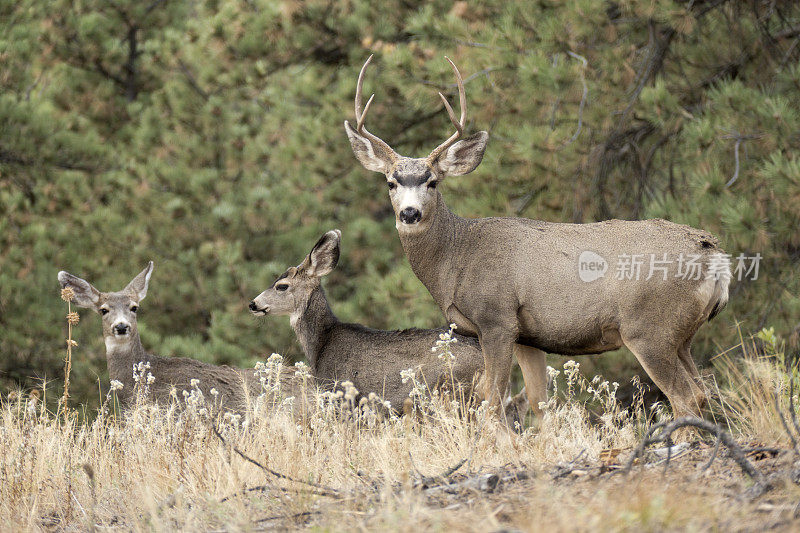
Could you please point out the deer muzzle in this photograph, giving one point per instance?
(410, 215)
(256, 310)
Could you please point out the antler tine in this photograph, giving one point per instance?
(361, 115)
(360, 120)
(462, 94)
(359, 85)
(458, 124)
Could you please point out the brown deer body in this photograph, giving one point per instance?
(124, 351)
(515, 283)
(371, 359)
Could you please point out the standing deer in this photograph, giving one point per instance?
(371, 359)
(124, 350)
(515, 284)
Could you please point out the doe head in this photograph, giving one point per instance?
(117, 309)
(289, 294)
(412, 181)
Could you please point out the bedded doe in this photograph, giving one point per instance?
(124, 351)
(371, 359)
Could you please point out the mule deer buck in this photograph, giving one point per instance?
(515, 283)
(124, 350)
(371, 359)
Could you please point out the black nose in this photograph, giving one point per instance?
(410, 215)
(253, 306)
(121, 329)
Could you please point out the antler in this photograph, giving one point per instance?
(459, 125)
(361, 115)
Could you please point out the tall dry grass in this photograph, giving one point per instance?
(345, 467)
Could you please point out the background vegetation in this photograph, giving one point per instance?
(207, 136)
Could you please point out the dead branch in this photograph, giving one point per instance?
(487, 482)
(431, 481)
(563, 470)
(326, 491)
(662, 433)
(713, 456)
(453, 469)
(13, 159)
(739, 139)
(261, 488)
(287, 517)
(769, 450)
(479, 483)
(192, 80)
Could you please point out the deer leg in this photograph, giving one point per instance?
(497, 346)
(663, 364)
(685, 354)
(534, 371)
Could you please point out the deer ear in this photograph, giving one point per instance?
(464, 156)
(84, 295)
(324, 256)
(372, 157)
(138, 285)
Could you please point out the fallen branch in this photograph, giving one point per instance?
(267, 488)
(453, 469)
(563, 470)
(324, 491)
(480, 483)
(664, 432)
(286, 517)
(770, 450)
(489, 482)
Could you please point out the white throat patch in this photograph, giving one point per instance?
(294, 318)
(114, 343)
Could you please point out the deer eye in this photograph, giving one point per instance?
(282, 287)
(134, 308)
(432, 184)
(104, 311)
(392, 185)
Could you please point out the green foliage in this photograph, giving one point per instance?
(215, 147)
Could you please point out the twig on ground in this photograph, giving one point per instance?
(327, 491)
(286, 517)
(563, 470)
(453, 469)
(487, 482)
(423, 479)
(763, 449)
(481, 483)
(263, 488)
(713, 456)
(444, 478)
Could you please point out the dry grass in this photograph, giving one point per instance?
(152, 469)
